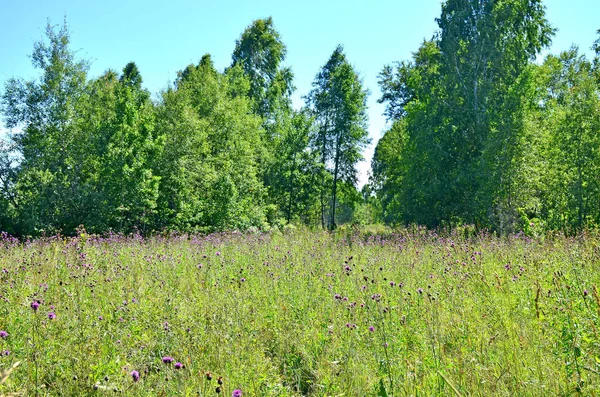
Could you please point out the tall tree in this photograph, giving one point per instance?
(50, 195)
(339, 104)
(208, 166)
(294, 178)
(119, 118)
(260, 52)
(470, 129)
(571, 114)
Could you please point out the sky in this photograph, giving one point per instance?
(164, 37)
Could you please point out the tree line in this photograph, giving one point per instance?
(483, 134)
(480, 133)
(218, 150)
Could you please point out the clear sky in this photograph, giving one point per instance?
(163, 37)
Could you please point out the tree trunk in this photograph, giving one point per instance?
(332, 226)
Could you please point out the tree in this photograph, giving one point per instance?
(295, 174)
(260, 52)
(572, 116)
(338, 102)
(119, 118)
(465, 129)
(208, 166)
(49, 193)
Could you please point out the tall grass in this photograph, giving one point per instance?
(301, 313)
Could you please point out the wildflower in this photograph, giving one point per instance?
(420, 290)
(372, 329)
(3, 334)
(135, 375)
(585, 293)
(178, 365)
(51, 315)
(6, 352)
(236, 393)
(167, 360)
(34, 305)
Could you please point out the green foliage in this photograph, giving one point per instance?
(571, 114)
(49, 193)
(208, 165)
(338, 102)
(479, 135)
(260, 51)
(463, 102)
(294, 175)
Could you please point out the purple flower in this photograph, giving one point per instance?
(34, 305)
(167, 360)
(6, 352)
(3, 334)
(135, 375)
(178, 365)
(51, 315)
(236, 393)
(585, 293)
(372, 329)
(420, 290)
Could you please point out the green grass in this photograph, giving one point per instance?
(289, 315)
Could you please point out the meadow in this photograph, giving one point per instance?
(300, 313)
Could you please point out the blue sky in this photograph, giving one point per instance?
(163, 37)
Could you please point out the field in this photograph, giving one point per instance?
(300, 313)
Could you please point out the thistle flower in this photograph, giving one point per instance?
(135, 375)
(236, 393)
(3, 334)
(167, 360)
(51, 315)
(178, 365)
(34, 305)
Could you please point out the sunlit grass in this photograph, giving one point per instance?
(301, 313)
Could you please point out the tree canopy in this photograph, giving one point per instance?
(479, 132)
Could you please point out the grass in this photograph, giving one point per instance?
(301, 313)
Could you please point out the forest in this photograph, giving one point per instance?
(483, 132)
